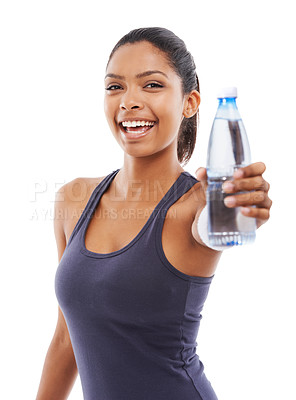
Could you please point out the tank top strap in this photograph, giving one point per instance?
(91, 203)
(182, 186)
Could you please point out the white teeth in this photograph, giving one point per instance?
(137, 123)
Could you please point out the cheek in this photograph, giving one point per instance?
(108, 107)
(109, 114)
(169, 111)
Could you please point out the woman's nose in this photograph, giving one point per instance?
(129, 102)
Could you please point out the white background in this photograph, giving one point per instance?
(53, 129)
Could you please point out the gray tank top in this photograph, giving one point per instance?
(132, 317)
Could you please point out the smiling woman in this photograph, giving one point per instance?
(131, 289)
(161, 84)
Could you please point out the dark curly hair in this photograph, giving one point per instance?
(182, 62)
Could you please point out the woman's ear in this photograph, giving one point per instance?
(191, 104)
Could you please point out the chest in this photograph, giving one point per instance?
(114, 226)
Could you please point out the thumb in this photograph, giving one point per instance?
(201, 174)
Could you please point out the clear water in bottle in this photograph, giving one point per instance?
(228, 150)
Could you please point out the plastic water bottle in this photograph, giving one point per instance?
(228, 150)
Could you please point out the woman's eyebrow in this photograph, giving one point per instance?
(141, 75)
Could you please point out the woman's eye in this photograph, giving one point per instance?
(150, 85)
(154, 85)
(113, 87)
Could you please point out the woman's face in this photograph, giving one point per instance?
(141, 86)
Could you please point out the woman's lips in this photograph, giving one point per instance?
(135, 132)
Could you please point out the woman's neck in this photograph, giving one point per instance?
(139, 180)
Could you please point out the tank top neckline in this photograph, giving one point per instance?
(99, 192)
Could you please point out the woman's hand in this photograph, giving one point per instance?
(250, 179)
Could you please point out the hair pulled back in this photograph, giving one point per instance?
(183, 64)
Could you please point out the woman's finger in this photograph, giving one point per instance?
(254, 183)
(261, 214)
(258, 198)
(254, 169)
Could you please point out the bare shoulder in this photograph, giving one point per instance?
(70, 201)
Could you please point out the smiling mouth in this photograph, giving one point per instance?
(138, 129)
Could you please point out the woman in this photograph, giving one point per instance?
(134, 272)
